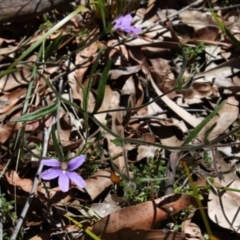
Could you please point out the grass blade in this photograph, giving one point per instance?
(91, 234)
(225, 30)
(199, 127)
(44, 37)
(36, 114)
(57, 144)
(101, 86)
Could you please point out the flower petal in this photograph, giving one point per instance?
(133, 30)
(76, 162)
(50, 174)
(63, 182)
(127, 20)
(119, 20)
(50, 162)
(77, 179)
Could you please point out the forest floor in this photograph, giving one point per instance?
(120, 120)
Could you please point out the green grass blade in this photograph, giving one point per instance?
(89, 86)
(101, 4)
(208, 132)
(225, 30)
(44, 37)
(101, 86)
(199, 127)
(140, 180)
(36, 114)
(53, 46)
(91, 234)
(56, 144)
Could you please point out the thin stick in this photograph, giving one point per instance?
(1, 221)
(47, 132)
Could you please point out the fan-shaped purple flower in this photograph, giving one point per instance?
(64, 172)
(123, 23)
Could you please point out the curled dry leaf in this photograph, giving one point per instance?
(223, 204)
(199, 90)
(7, 101)
(98, 183)
(116, 73)
(193, 232)
(221, 75)
(225, 117)
(119, 53)
(117, 119)
(106, 104)
(5, 132)
(144, 215)
(197, 19)
(191, 229)
(86, 53)
(16, 79)
(102, 209)
(25, 184)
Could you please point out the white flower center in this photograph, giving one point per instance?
(64, 167)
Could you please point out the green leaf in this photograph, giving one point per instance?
(90, 233)
(225, 30)
(199, 127)
(89, 86)
(101, 86)
(52, 47)
(102, 7)
(117, 142)
(208, 132)
(139, 180)
(57, 145)
(37, 114)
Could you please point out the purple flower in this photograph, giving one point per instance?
(123, 23)
(64, 172)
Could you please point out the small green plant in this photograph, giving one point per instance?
(6, 209)
(147, 180)
(193, 53)
(83, 34)
(7, 214)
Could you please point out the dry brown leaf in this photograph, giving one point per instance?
(191, 229)
(119, 53)
(87, 52)
(193, 232)
(122, 71)
(200, 90)
(144, 215)
(25, 184)
(190, 119)
(5, 132)
(221, 74)
(98, 183)
(226, 116)
(206, 34)
(223, 205)
(197, 19)
(102, 209)
(14, 80)
(139, 234)
(8, 50)
(7, 101)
